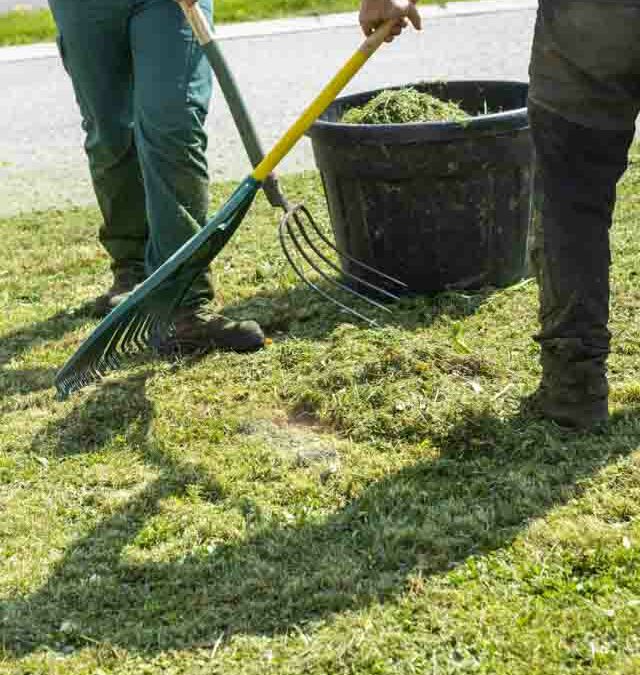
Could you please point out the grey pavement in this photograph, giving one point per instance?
(42, 164)
(8, 5)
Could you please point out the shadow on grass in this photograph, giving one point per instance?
(492, 477)
(115, 409)
(12, 345)
(302, 312)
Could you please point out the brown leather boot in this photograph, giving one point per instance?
(125, 278)
(199, 330)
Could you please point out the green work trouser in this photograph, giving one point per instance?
(143, 86)
(584, 99)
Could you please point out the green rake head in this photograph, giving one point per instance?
(146, 314)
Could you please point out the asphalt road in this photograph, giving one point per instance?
(41, 159)
(8, 5)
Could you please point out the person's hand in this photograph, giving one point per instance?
(375, 12)
(189, 3)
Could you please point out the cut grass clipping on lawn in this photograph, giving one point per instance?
(403, 106)
(347, 501)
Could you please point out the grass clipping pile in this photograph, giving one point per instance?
(405, 106)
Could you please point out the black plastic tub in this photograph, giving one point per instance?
(438, 205)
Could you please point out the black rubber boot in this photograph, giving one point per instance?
(576, 172)
(574, 389)
(126, 276)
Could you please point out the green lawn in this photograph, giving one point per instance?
(23, 26)
(348, 501)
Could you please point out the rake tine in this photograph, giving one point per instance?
(119, 345)
(114, 343)
(135, 344)
(329, 262)
(316, 288)
(110, 362)
(106, 363)
(129, 339)
(325, 276)
(127, 334)
(127, 342)
(142, 337)
(342, 253)
(136, 341)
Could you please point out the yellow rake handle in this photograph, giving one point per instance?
(321, 103)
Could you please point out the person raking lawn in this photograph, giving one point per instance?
(163, 311)
(143, 87)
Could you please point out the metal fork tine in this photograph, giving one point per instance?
(342, 253)
(325, 276)
(302, 276)
(329, 262)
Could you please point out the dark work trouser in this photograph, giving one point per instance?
(143, 86)
(584, 98)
